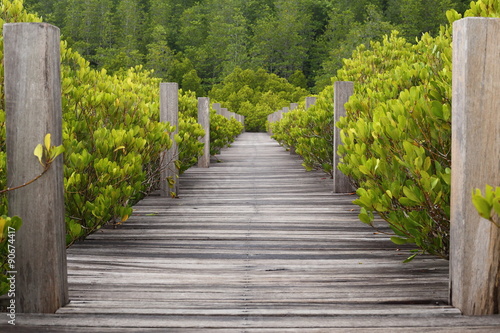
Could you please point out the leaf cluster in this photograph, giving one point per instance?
(488, 205)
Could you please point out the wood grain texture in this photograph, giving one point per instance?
(33, 109)
(204, 121)
(169, 112)
(343, 90)
(310, 101)
(254, 244)
(475, 242)
(217, 108)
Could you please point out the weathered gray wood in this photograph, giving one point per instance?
(225, 112)
(33, 108)
(255, 243)
(475, 242)
(293, 106)
(204, 121)
(217, 108)
(310, 101)
(343, 90)
(169, 112)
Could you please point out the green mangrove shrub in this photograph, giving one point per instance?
(255, 94)
(310, 132)
(397, 134)
(222, 132)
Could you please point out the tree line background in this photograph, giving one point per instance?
(197, 43)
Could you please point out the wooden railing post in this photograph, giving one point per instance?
(33, 109)
(204, 121)
(225, 112)
(310, 101)
(169, 112)
(343, 90)
(217, 108)
(475, 242)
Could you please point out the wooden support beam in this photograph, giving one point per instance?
(169, 112)
(204, 121)
(217, 108)
(475, 242)
(310, 101)
(343, 90)
(33, 109)
(224, 112)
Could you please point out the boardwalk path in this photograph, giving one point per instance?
(253, 243)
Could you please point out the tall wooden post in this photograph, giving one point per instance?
(293, 106)
(343, 90)
(217, 108)
(33, 109)
(169, 112)
(204, 121)
(225, 113)
(475, 242)
(310, 101)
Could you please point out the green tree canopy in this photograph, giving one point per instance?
(255, 94)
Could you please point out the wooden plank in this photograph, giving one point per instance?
(271, 258)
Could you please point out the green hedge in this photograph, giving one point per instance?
(396, 135)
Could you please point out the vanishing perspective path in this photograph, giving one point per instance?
(253, 244)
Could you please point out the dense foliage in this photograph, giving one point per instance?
(310, 132)
(396, 135)
(198, 43)
(255, 94)
(112, 137)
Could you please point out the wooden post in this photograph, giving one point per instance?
(293, 106)
(33, 109)
(225, 113)
(169, 112)
(310, 101)
(217, 108)
(204, 121)
(343, 90)
(475, 242)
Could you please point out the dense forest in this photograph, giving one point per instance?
(199, 43)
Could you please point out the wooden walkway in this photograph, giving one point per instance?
(253, 244)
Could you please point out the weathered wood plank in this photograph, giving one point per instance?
(266, 252)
